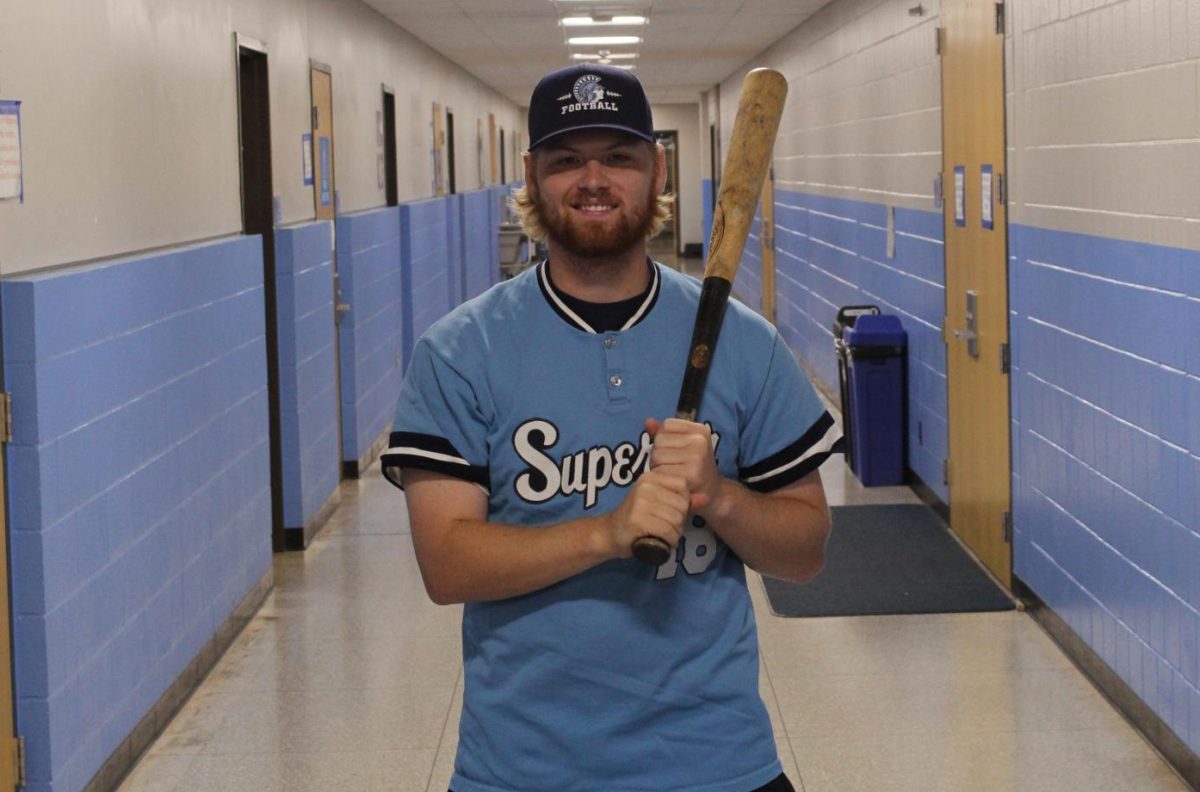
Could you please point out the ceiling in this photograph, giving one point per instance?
(687, 45)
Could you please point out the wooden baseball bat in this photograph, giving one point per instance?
(750, 148)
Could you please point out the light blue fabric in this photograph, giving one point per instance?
(624, 677)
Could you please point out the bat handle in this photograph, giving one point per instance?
(651, 550)
(713, 297)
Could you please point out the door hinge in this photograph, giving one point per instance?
(5, 417)
(946, 472)
(937, 191)
(1006, 527)
(1001, 190)
(1000, 18)
(940, 44)
(315, 118)
(945, 324)
(1005, 358)
(19, 748)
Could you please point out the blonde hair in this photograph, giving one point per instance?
(527, 212)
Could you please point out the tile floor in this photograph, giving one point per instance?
(350, 679)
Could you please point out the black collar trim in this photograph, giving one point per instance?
(554, 298)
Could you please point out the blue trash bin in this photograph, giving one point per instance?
(875, 353)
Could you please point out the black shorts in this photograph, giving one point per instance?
(779, 784)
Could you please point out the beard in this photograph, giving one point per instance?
(598, 241)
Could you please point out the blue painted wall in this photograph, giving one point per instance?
(307, 370)
(140, 471)
(831, 252)
(370, 334)
(747, 282)
(423, 260)
(499, 196)
(1106, 453)
(457, 280)
(480, 256)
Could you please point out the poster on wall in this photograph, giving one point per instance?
(960, 196)
(326, 185)
(306, 158)
(985, 188)
(11, 177)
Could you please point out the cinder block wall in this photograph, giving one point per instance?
(141, 473)
(1104, 157)
(1103, 114)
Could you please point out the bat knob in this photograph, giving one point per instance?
(651, 550)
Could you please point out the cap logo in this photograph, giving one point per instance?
(588, 94)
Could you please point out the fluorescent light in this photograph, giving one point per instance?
(581, 21)
(600, 40)
(603, 57)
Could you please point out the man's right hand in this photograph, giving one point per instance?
(656, 505)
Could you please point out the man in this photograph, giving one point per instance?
(531, 442)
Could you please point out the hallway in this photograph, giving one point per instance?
(348, 679)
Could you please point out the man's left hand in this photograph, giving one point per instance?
(685, 449)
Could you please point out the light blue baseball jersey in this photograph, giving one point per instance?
(625, 678)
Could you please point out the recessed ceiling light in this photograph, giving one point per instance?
(599, 40)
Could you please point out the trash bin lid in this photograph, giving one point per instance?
(870, 330)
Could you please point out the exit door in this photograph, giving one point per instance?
(976, 326)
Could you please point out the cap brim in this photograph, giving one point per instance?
(617, 127)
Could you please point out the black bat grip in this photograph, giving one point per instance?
(713, 298)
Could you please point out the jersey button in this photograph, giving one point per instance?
(615, 380)
(609, 342)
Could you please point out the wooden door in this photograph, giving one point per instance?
(439, 147)
(976, 326)
(766, 208)
(325, 201)
(9, 751)
(322, 136)
(495, 174)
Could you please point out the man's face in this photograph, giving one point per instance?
(596, 191)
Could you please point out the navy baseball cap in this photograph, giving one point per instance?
(588, 97)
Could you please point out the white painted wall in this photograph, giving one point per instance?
(863, 115)
(1104, 118)
(129, 117)
(685, 119)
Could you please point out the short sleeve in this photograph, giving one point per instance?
(440, 424)
(788, 432)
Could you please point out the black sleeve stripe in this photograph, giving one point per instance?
(428, 452)
(797, 460)
(432, 443)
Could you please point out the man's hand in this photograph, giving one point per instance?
(684, 449)
(656, 505)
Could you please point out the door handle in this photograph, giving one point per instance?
(971, 334)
